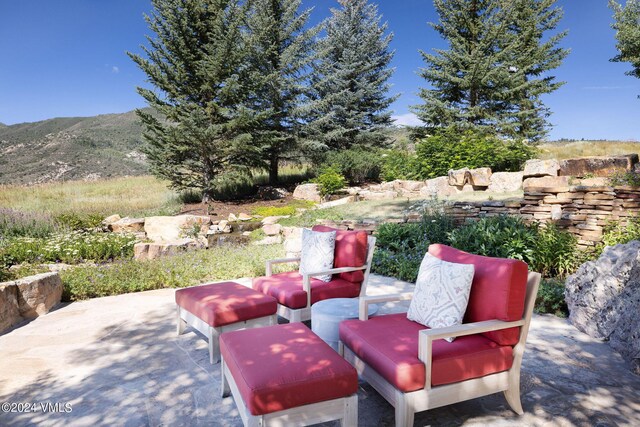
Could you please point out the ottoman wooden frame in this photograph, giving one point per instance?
(345, 409)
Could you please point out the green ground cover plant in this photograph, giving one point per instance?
(188, 269)
(71, 248)
(290, 208)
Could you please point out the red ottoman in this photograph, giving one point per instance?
(286, 375)
(219, 307)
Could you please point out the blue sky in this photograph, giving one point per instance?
(67, 58)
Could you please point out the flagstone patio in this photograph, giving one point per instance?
(117, 361)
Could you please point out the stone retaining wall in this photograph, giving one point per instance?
(28, 298)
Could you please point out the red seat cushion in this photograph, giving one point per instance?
(497, 292)
(285, 366)
(389, 344)
(351, 251)
(220, 304)
(287, 289)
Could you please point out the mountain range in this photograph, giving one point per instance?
(71, 148)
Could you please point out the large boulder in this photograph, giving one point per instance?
(28, 298)
(598, 166)
(603, 297)
(127, 225)
(438, 187)
(505, 182)
(479, 177)
(148, 251)
(546, 184)
(172, 228)
(537, 168)
(309, 192)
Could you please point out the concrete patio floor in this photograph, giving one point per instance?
(118, 362)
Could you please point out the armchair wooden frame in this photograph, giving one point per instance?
(303, 314)
(407, 404)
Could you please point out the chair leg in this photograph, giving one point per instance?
(214, 346)
(404, 411)
(350, 418)
(512, 394)
(181, 323)
(225, 390)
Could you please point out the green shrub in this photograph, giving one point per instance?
(188, 269)
(71, 248)
(330, 181)
(15, 223)
(310, 218)
(629, 178)
(79, 221)
(619, 233)
(555, 252)
(451, 149)
(191, 196)
(498, 236)
(401, 247)
(357, 164)
(550, 298)
(397, 164)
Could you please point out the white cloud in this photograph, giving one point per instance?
(408, 119)
(115, 70)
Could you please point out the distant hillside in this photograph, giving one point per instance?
(71, 148)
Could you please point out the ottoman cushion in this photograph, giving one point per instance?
(285, 366)
(225, 303)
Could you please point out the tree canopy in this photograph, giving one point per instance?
(627, 26)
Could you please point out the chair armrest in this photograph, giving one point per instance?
(363, 309)
(271, 262)
(427, 336)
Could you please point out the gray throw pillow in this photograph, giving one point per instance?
(317, 252)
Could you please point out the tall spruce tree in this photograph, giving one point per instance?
(196, 64)
(492, 75)
(627, 26)
(349, 85)
(281, 51)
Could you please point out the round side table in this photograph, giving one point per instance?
(326, 316)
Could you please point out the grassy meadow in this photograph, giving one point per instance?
(131, 196)
(573, 149)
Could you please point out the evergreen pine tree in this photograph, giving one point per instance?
(493, 73)
(627, 26)
(532, 57)
(349, 88)
(281, 52)
(195, 64)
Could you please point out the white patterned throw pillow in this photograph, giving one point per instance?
(441, 294)
(317, 252)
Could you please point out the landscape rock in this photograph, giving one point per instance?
(505, 182)
(307, 192)
(272, 193)
(408, 185)
(148, 251)
(272, 229)
(603, 297)
(38, 294)
(127, 225)
(378, 195)
(480, 177)
(598, 166)
(9, 312)
(28, 298)
(232, 217)
(459, 177)
(111, 219)
(438, 187)
(551, 184)
(538, 168)
(273, 219)
(244, 217)
(172, 228)
(338, 202)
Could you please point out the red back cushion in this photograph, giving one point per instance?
(351, 251)
(497, 292)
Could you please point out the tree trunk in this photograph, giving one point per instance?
(273, 169)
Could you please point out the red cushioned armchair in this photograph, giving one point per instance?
(415, 369)
(296, 293)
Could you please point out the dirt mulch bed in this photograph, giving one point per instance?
(221, 210)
